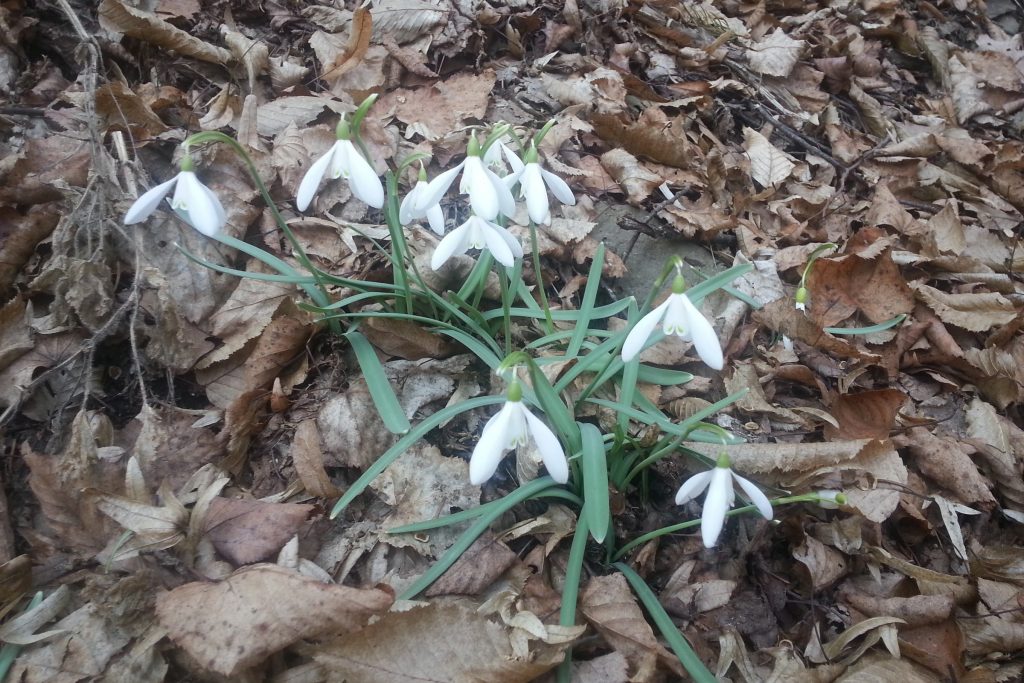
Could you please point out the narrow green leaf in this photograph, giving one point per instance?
(586, 310)
(571, 587)
(880, 327)
(380, 389)
(595, 481)
(414, 435)
(702, 289)
(598, 313)
(687, 657)
(473, 513)
(662, 376)
(443, 563)
(551, 403)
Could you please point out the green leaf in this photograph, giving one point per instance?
(586, 310)
(473, 513)
(595, 481)
(701, 290)
(551, 403)
(880, 327)
(414, 435)
(380, 389)
(598, 313)
(662, 376)
(443, 563)
(687, 657)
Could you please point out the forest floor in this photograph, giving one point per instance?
(175, 437)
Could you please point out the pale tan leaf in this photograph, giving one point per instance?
(883, 669)
(435, 644)
(257, 611)
(441, 107)
(117, 17)
(274, 116)
(769, 165)
(976, 312)
(253, 54)
(825, 565)
(636, 180)
(775, 54)
(407, 20)
(308, 460)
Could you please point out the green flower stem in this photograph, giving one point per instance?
(300, 253)
(689, 659)
(538, 275)
(571, 588)
(467, 539)
(682, 526)
(398, 260)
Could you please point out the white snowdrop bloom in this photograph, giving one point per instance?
(721, 496)
(433, 213)
(534, 183)
(342, 160)
(678, 316)
(831, 499)
(512, 426)
(476, 233)
(192, 200)
(488, 194)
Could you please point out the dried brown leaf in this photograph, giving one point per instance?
(234, 624)
(976, 312)
(406, 339)
(653, 136)
(247, 531)
(636, 180)
(120, 18)
(825, 565)
(946, 462)
(435, 110)
(775, 54)
(609, 605)
(435, 644)
(123, 109)
(308, 460)
(865, 415)
(769, 165)
(476, 569)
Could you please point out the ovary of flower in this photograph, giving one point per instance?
(511, 427)
(488, 194)
(721, 497)
(678, 316)
(342, 160)
(476, 233)
(192, 200)
(534, 183)
(433, 213)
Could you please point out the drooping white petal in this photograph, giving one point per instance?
(705, 341)
(550, 449)
(692, 487)
(311, 181)
(222, 215)
(506, 202)
(435, 217)
(716, 504)
(755, 495)
(483, 196)
(513, 159)
(455, 242)
(407, 212)
(145, 205)
(193, 197)
(363, 180)
(641, 332)
(495, 242)
(436, 188)
(532, 188)
(513, 244)
(491, 446)
(559, 188)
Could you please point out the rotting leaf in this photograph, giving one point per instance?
(435, 644)
(247, 531)
(236, 623)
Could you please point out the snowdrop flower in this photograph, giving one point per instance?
(476, 233)
(513, 426)
(801, 298)
(831, 499)
(721, 496)
(534, 183)
(493, 157)
(488, 195)
(678, 316)
(342, 160)
(433, 213)
(192, 200)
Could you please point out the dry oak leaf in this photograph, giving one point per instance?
(975, 312)
(236, 623)
(436, 644)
